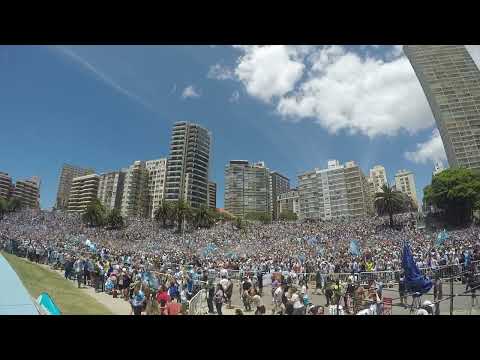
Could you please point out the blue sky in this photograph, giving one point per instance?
(294, 107)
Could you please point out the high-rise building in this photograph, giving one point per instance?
(438, 168)
(289, 201)
(27, 192)
(188, 165)
(83, 192)
(378, 178)
(135, 191)
(157, 171)
(279, 184)
(6, 186)
(247, 188)
(338, 191)
(110, 189)
(405, 183)
(451, 82)
(66, 176)
(212, 195)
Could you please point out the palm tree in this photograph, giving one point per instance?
(202, 217)
(164, 212)
(181, 210)
(389, 201)
(114, 219)
(94, 214)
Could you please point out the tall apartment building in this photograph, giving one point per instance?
(338, 191)
(378, 178)
(6, 186)
(289, 201)
(110, 189)
(451, 82)
(405, 182)
(212, 195)
(247, 188)
(27, 192)
(188, 165)
(279, 184)
(83, 192)
(68, 173)
(135, 191)
(157, 171)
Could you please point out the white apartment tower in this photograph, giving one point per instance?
(135, 191)
(83, 191)
(405, 183)
(188, 164)
(378, 178)
(110, 189)
(338, 191)
(157, 171)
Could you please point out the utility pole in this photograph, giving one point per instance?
(451, 296)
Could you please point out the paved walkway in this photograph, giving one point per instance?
(14, 298)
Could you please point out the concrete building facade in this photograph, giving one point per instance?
(68, 173)
(405, 183)
(135, 191)
(289, 201)
(27, 192)
(378, 178)
(110, 189)
(247, 188)
(6, 186)
(338, 191)
(438, 168)
(83, 192)
(279, 184)
(188, 164)
(212, 195)
(451, 82)
(157, 172)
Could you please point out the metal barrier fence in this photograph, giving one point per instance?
(198, 304)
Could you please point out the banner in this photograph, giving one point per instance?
(442, 237)
(354, 248)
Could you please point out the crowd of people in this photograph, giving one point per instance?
(121, 262)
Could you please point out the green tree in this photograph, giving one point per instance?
(94, 214)
(259, 216)
(181, 211)
(203, 217)
(14, 205)
(3, 207)
(389, 201)
(455, 191)
(114, 219)
(164, 213)
(288, 215)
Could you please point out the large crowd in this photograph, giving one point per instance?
(121, 262)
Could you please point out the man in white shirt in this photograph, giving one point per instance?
(277, 300)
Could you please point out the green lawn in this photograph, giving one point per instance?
(66, 295)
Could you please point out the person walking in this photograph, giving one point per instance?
(219, 299)
(78, 267)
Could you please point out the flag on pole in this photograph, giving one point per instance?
(354, 248)
(415, 282)
(442, 237)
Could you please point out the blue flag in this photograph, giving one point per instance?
(441, 237)
(415, 282)
(354, 248)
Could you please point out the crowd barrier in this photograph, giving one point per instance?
(198, 303)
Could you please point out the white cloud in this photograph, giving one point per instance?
(190, 92)
(431, 150)
(367, 96)
(269, 71)
(220, 72)
(235, 97)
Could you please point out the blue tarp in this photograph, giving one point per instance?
(415, 282)
(47, 303)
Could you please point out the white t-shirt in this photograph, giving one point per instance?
(297, 304)
(224, 283)
(277, 295)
